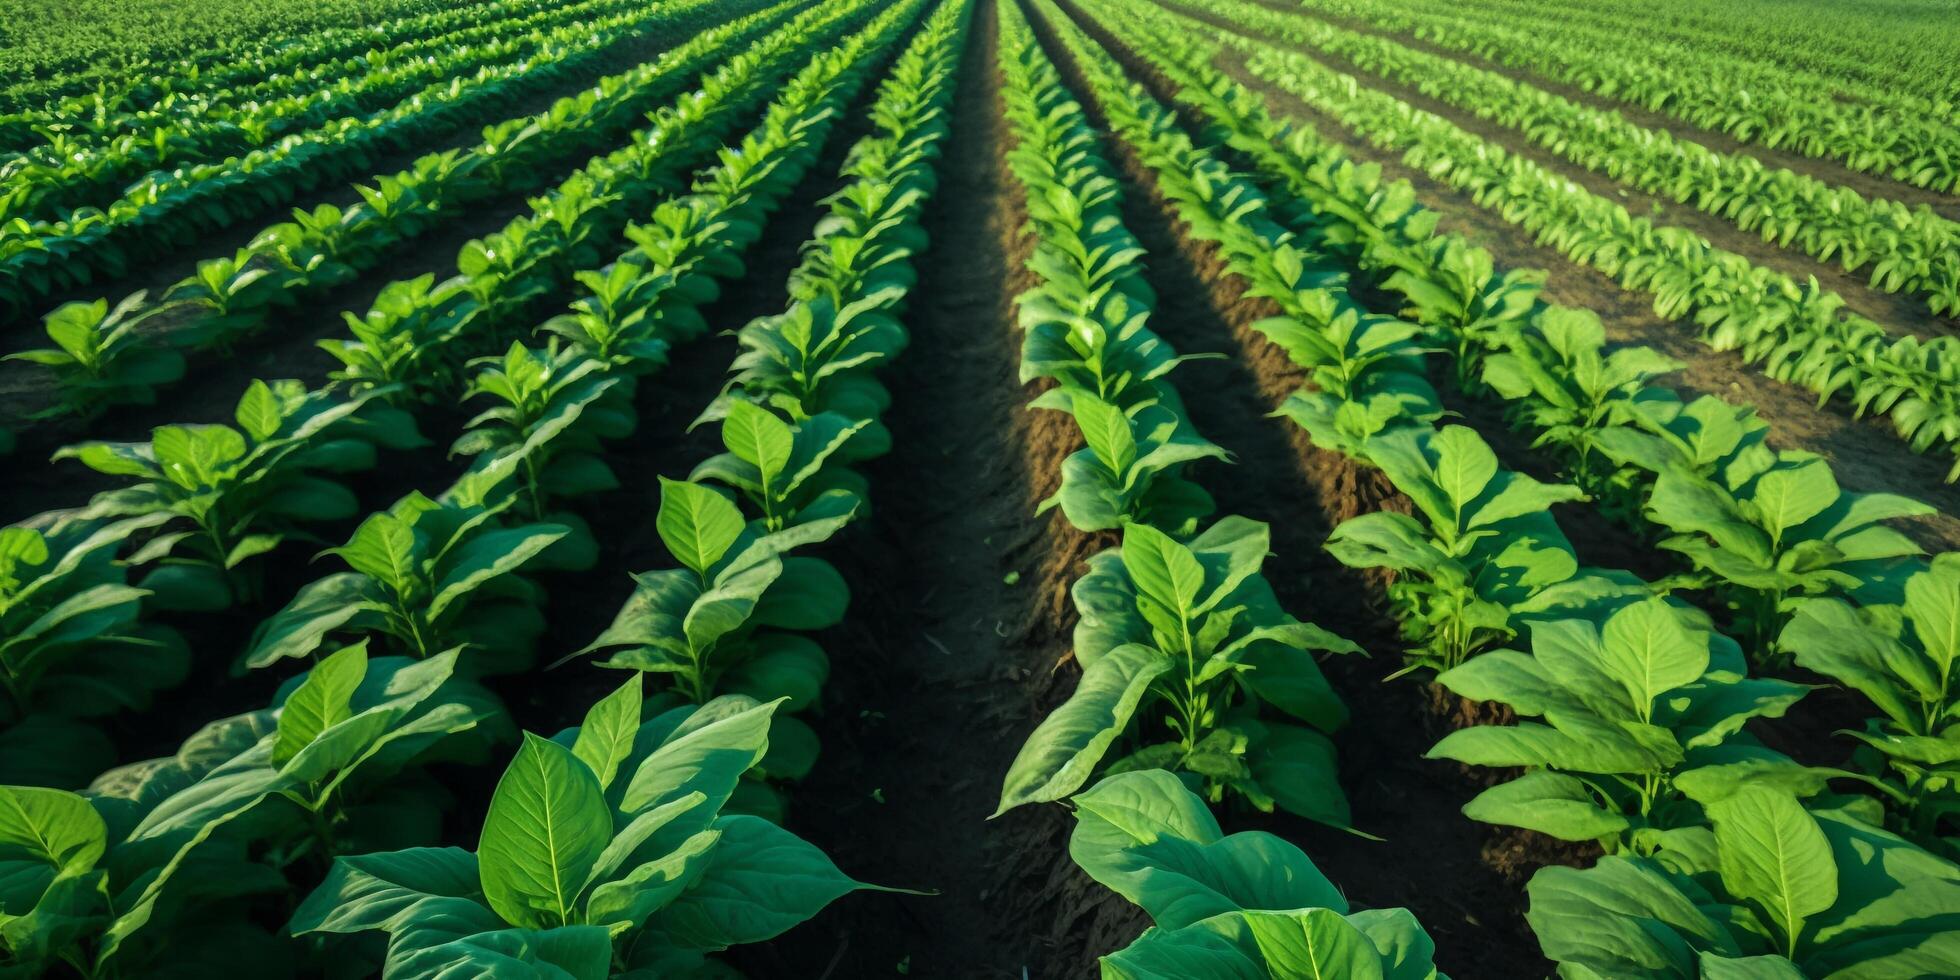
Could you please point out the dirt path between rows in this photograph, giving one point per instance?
(1462, 879)
(1829, 170)
(958, 624)
(1900, 313)
(1866, 454)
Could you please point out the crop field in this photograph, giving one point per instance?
(995, 489)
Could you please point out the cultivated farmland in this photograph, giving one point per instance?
(1149, 489)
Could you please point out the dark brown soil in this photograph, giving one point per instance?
(1830, 171)
(945, 666)
(1903, 313)
(1462, 879)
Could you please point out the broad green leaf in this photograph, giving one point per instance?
(1548, 802)
(321, 702)
(547, 825)
(696, 524)
(1651, 651)
(1066, 747)
(605, 737)
(1313, 944)
(759, 881)
(1775, 855)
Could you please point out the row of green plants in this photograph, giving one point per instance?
(1784, 552)
(100, 116)
(1864, 54)
(1794, 332)
(158, 59)
(610, 849)
(72, 167)
(1908, 140)
(737, 601)
(1909, 250)
(235, 494)
(1191, 670)
(166, 210)
(1641, 747)
(104, 357)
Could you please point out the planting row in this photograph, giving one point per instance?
(1196, 685)
(1796, 332)
(166, 210)
(622, 847)
(1911, 140)
(1641, 749)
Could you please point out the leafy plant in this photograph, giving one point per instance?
(1190, 637)
(1647, 700)
(1227, 905)
(155, 869)
(552, 409)
(726, 621)
(1484, 552)
(1795, 893)
(98, 360)
(1571, 392)
(402, 343)
(1901, 658)
(428, 574)
(1774, 526)
(244, 490)
(1129, 470)
(73, 645)
(783, 469)
(605, 852)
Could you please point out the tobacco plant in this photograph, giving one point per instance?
(1901, 657)
(1129, 471)
(1565, 387)
(155, 870)
(727, 620)
(244, 490)
(788, 472)
(1635, 708)
(1791, 893)
(1186, 640)
(1246, 905)
(606, 851)
(428, 575)
(403, 343)
(1773, 526)
(552, 410)
(73, 645)
(1485, 550)
(99, 361)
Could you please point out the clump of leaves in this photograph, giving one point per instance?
(242, 490)
(1188, 639)
(99, 361)
(1245, 905)
(606, 848)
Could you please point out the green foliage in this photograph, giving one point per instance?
(607, 850)
(98, 360)
(1244, 905)
(1793, 894)
(241, 490)
(1900, 656)
(429, 575)
(1642, 723)
(1187, 639)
